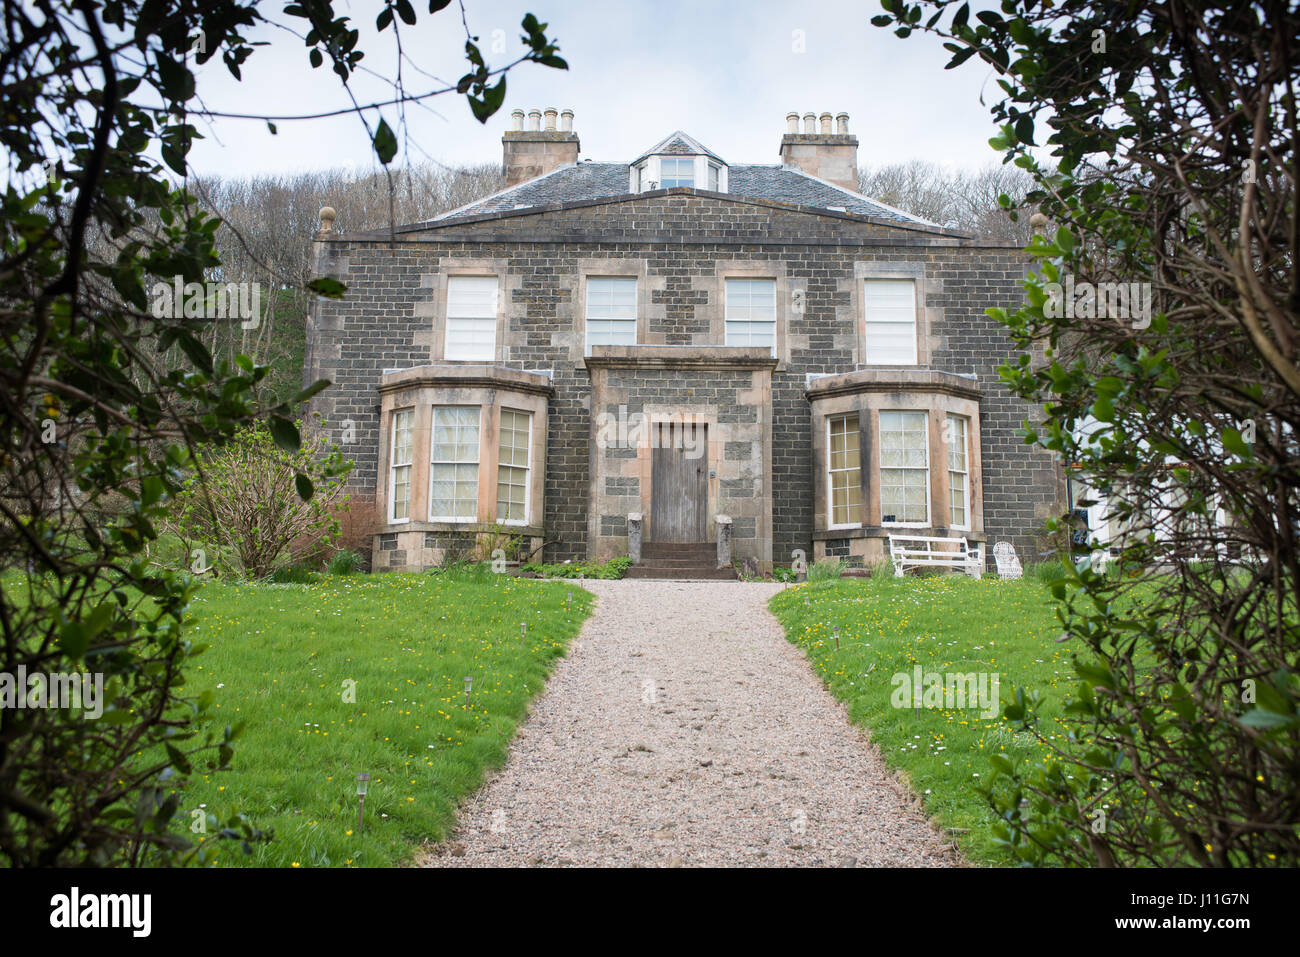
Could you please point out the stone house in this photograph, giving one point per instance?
(676, 349)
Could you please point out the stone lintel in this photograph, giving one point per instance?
(893, 380)
(466, 376)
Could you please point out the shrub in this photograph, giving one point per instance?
(882, 569)
(345, 562)
(827, 570)
(614, 568)
(258, 502)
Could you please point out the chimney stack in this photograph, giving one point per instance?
(826, 155)
(535, 151)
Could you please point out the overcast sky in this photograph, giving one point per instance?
(725, 71)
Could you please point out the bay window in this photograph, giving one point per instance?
(845, 471)
(958, 473)
(399, 490)
(453, 464)
(512, 467)
(904, 468)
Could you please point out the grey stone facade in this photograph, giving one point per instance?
(681, 243)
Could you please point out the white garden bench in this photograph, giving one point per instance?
(917, 551)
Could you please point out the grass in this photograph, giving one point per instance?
(281, 658)
(944, 623)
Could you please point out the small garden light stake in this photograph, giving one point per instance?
(837, 637)
(363, 782)
(469, 683)
(523, 634)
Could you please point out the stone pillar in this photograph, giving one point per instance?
(724, 540)
(634, 537)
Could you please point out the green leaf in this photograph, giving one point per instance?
(304, 486)
(327, 287)
(285, 434)
(1265, 720)
(493, 96)
(385, 142)
(314, 389)
(1025, 129)
(1001, 764)
(1234, 443)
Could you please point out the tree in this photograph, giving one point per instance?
(1160, 336)
(267, 224)
(962, 200)
(107, 389)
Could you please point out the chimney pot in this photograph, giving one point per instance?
(566, 121)
(532, 152)
(820, 152)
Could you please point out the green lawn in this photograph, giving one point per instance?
(944, 623)
(279, 658)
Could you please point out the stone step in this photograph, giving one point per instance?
(680, 561)
(703, 550)
(686, 573)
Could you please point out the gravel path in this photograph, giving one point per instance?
(684, 730)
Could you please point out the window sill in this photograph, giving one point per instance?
(881, 531)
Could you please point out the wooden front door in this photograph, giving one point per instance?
(679, 489)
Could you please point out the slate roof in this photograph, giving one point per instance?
(589, 180)
(782, 184)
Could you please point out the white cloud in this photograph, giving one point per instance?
(724, 72)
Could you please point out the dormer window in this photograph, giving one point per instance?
(678, 161)
(676, 171)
